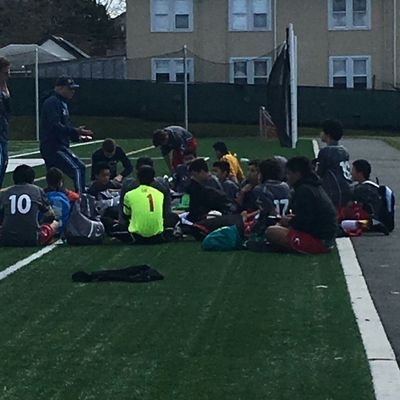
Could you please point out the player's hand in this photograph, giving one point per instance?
(118, 178)
(285, 220)
(85, 132)
(247, 188)
(84, 138)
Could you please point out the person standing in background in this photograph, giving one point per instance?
(4, 116)
(56, 133)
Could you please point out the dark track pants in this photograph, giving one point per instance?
(3, 161)
(69, 164)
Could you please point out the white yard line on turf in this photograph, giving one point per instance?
(38, 152)
(382, 360)
(42, 178)
(24, 262)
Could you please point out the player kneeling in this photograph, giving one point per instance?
(312, 226)
(144, 207)
(23, 207)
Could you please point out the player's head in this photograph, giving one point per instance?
(108, 147)
(141, 161)
(146, 175)
(23, 174)
(221, 169)
(298, 168)
(189, 156)
(160, 137)
(270, 170)
(253, 171)
(54, 178)
(65, 87)
(361, 171)
(220, 149)
(4, 69)
(102, 173)
(282, 164)
(199, 170)
(332, 131)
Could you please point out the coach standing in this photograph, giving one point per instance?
(4, 116)
(56, 133)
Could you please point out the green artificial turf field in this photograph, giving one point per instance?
(235, 325)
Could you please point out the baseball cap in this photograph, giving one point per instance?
(63, 81)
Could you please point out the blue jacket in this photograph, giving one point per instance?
(56, 131)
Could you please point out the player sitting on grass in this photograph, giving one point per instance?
(102, 180)
(223, 154)
(363, 212)
(111, 154)
(174, 139)
(181, 177)
(59, 198)
(272, 197)
(221, 169)
(204, 198)
(333, 165)
(170, 219)
(27, 218)
(144, 207)
(107, 195)
(312, 226)
(247, 199)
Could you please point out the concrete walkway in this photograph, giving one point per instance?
(379, 255)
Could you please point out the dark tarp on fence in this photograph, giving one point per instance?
(214, 102)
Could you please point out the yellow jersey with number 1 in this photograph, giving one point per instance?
(144, 206)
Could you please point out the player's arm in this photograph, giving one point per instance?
(322, 165)
(1, 210)
(126, 162)
(53, 114)
(46, 210)
(126, 208)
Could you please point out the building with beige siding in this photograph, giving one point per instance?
(341, 43)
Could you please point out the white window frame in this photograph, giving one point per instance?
(350, 69)
(349, 18)
(172, 69)
(250, 68)
(171, 16)
(250, 18)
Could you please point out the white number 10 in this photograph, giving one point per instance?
(23, 204)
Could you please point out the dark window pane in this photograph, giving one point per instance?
(182, 21)
(339, 5)
(360, 82)
(340, 82)
(180, 77)
(260, 81)
(360, 5)
(162, 78)
(242, 81)
(260, 20)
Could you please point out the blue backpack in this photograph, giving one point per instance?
(223, 239)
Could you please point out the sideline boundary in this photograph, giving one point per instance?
(38, 151)
(382, 361)
(25, 261)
